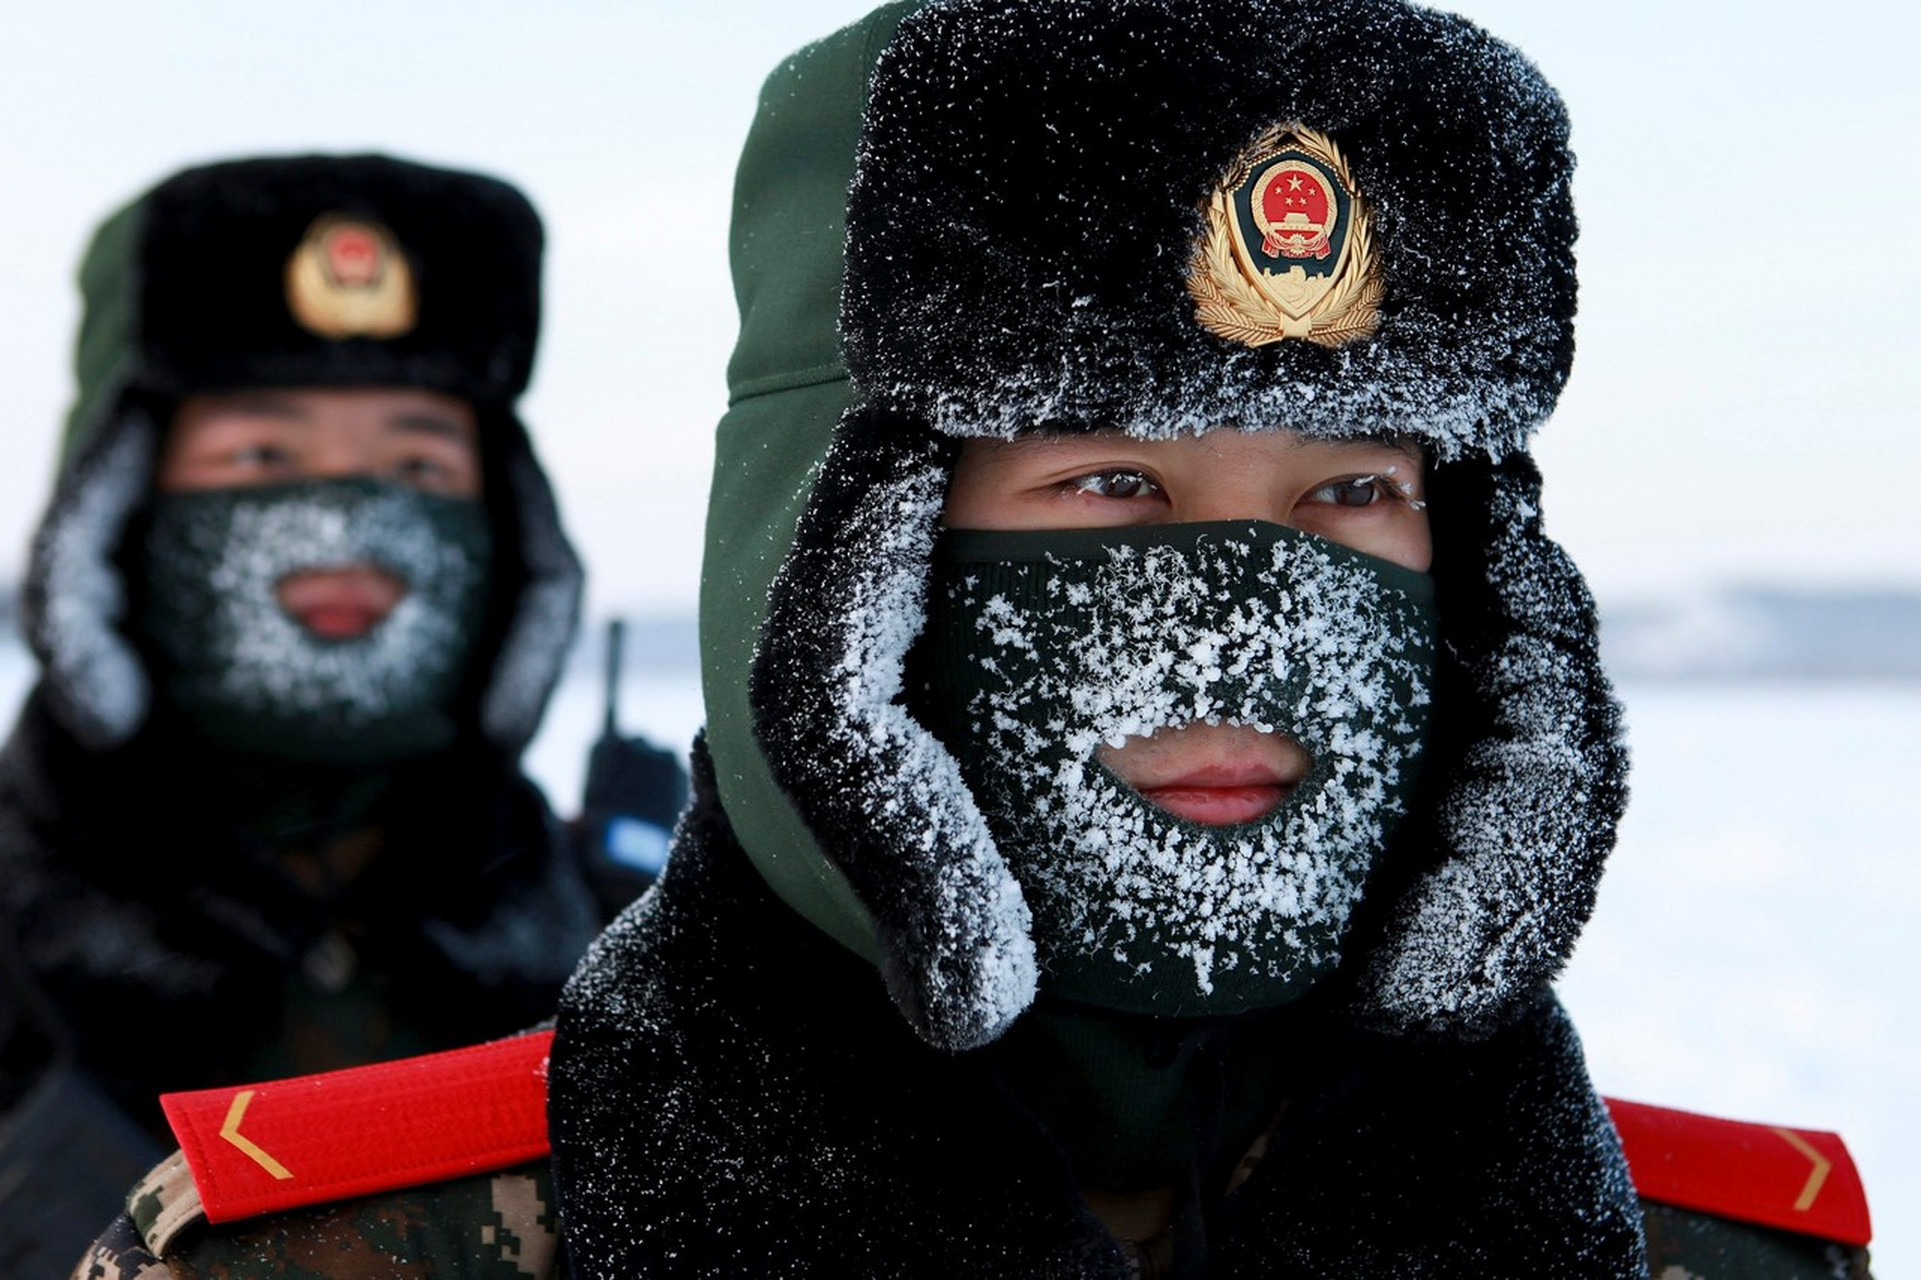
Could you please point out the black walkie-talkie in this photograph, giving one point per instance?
(633, 795)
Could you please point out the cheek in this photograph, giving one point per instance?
(1412, 544)
(978, 495)
(1399, 534)
(466, 479)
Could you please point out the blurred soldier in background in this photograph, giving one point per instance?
(299, 601)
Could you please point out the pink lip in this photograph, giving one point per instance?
(1219, 775)
(340, 604)
(1221, 795)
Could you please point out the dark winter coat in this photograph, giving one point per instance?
(152, 947)
(796, 1127)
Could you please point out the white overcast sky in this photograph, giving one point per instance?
(1743, 405)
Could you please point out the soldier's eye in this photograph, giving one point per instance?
(1356, 491)
(261, 457)
(1115, 484)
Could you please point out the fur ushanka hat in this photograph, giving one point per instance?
(999, 217)
(299, 271)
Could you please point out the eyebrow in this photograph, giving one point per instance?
(1404, 445)
(431, 424)
(267, 404)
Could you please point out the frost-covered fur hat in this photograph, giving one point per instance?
(305, 271)
(1025, 189)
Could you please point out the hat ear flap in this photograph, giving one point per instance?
(1534, 769)
(76, 597)
(535, 646)
(880, 793)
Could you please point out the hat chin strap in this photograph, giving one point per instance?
(535, 647)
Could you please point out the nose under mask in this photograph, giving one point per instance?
(233, 665)
(1043, 645)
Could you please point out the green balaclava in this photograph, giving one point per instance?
(232, 666)
(1042, 646)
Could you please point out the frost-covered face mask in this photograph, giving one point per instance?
(1042, 646)
(239, 671)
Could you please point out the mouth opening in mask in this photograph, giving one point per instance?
(324, 621)
(1211, 774)
(343, 602)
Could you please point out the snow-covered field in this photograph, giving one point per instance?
(1757, 951)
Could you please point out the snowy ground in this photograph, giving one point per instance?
(1757, 951)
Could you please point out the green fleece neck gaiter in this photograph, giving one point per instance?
(1140, 1102)
(237, 670)
(1042, 646)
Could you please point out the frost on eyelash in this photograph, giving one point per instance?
(1304, 652)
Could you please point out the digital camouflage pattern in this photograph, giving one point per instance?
(497, 1226)
(503, 1226)
(1694, 1246)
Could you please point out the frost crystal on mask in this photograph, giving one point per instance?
(1247, 625)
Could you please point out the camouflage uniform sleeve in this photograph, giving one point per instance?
(495, 1226)
(1685, 1245)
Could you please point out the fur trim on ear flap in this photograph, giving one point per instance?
(535, 647)
(75, 601)
(1534, 767)
(883, 797)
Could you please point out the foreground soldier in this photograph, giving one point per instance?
(1157, 761)
(299, 599)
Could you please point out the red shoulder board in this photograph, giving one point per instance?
(1795, 1179)
(262, 1148)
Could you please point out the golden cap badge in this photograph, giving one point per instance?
(1288, 250)
(348, 279)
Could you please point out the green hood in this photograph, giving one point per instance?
(787, 385)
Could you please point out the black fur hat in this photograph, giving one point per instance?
(1033, 178)
(248, 273)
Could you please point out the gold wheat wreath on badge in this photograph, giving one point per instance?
(1289, 249)
(348, 278)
